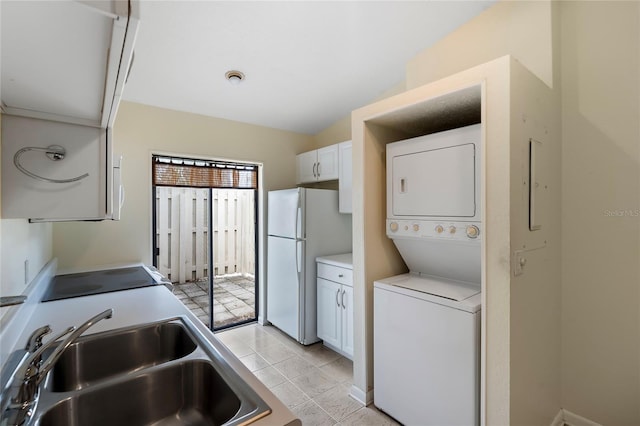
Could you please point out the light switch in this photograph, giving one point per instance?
(517, 262)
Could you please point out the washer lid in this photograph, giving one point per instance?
(436, 286)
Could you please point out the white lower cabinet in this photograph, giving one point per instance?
(347, 321)
(335, 307)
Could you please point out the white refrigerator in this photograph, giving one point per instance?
(303, 224)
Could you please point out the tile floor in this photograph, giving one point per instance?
(313, 381)
(233, 299)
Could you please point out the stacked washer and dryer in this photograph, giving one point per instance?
(427, 322)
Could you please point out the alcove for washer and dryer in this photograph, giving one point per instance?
(520, 269)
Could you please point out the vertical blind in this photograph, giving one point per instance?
(174, 171)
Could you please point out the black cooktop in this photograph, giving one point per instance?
(97, 282)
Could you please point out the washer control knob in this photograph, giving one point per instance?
(452, 229)
(416, 227)
(439, 229)
(472, 231)
(393, 226)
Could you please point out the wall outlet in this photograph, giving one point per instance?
(26, 271)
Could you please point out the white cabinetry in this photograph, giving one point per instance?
(317, 165)
(306, 166)
(335, 303)
(67, 61)
(345, 177)
(64, 67)
(87, 152)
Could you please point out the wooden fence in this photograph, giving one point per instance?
(182, 232)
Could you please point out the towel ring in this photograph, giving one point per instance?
(54, 153)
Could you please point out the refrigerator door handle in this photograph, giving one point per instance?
(298, 224)
(298, 256)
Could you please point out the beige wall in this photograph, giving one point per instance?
(340, 131)
(522, 29)
(600, 211)
(140, 130)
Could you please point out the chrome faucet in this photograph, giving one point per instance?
(24, 389)
(35, 342)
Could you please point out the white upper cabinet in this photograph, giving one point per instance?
(306, 167)
(75, 185)
(64, 65)
(317, 165)
(66, 60)
(327, 163)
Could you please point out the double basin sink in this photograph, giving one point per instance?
(163, 373)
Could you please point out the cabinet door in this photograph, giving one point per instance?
(347, 320)
(306, 166)
(58, 76)
(87, 152)
(344, 178)
(329, 311)
(327, 168)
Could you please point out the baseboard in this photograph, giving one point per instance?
(566, 417)
(558, 420)
(364, 398)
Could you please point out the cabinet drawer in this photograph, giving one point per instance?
(335, 273)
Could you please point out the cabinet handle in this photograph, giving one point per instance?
(338, 295)
(343, 306)
(318, 169)
(340, 275)
(314, 169)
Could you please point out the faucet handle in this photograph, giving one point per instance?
(35, 340)
(36, 356)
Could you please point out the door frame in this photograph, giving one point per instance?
(260, 218)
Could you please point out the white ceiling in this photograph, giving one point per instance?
(307, 64)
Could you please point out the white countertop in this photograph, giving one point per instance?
(344, 260)
(142, 305)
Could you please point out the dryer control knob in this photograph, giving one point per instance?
(439, 229)
(393, 226)
(472, 231)
(416, 227)
(452, 229)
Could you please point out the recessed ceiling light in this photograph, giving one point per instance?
(234, 77)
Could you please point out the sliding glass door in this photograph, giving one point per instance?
(204, 224)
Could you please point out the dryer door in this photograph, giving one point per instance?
(438, 182)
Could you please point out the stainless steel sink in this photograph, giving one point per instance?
(164, 373)
(186, 393)
(107, 354)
